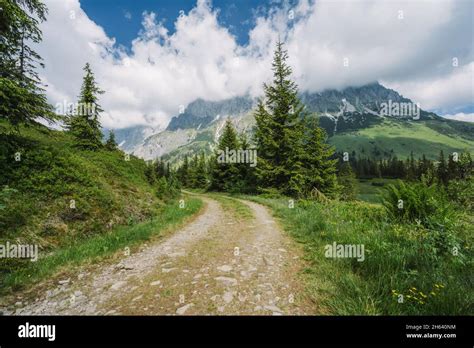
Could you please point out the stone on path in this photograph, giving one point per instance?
(183, 309)
(228, 297)
(118, 285)
(225, 268)
(227, 280)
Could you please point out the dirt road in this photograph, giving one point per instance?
(218, 264)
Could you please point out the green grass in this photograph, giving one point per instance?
(402, 137)
(369, 190)
(97, 247)
(240, 209)
(107, 189)
(398, 258)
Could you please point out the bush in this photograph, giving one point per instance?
(14, 210)
(418, 202)
(167, 189)
(462, 193)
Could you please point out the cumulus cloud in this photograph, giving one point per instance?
(443, 93)
(409, 46)
(461, 116)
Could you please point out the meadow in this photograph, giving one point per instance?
(410, 268)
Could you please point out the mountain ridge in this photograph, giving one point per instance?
(340, 113)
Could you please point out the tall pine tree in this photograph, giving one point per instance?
(319, 161)
(292, 156)
(225, 175)
(85, 124)
(279, 130)
(22, 98)
(183, 172)
(442, 170)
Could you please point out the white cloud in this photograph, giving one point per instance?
(445, 92)
(461, 116)
(127, 15)
(202, 59)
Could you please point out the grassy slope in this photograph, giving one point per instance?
(402, 138)
(397, 259)
(111, 196)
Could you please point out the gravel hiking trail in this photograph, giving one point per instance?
(217, 264)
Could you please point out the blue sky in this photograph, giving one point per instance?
(122, 19)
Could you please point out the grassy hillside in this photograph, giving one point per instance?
(56, 196)
(400, 138)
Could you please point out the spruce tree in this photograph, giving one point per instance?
(292, 156)
(442, 171)
(111, 144)
(193, 167)
(246, 171)
(22, 98)
(85, 124)
(225, 175)
(348, 182)
(465, 165)
(279, 130)
(319, 160)
(452, 168)
(201, 175)
(150, 172)
(183, 172)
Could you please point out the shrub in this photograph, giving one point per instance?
(462, 192)
(417, 202)
(167, 189)
(14, 210)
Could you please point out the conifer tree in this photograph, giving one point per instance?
(201, 175)
(85, 123)
(22, 98)
(320, 167)
(183, 172)
(193, 165)
(111, 144)
(225, 175)
(465, 166)
(291, 157)
(347, 181)
(442, 171)
(279, 130)
(246, 171)
(150, 172)
(452, 168)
